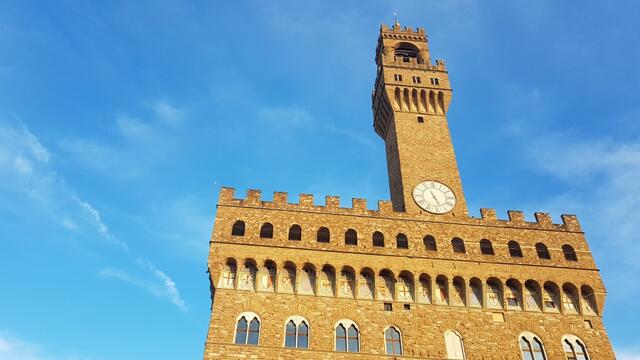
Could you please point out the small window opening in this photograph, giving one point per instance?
(388, 307)
(407, 306)
(420, 119)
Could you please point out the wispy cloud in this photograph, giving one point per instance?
(25, 168)
(628, 354)
(156, 282)
(13, 348)
(137, 143)
(604, 178)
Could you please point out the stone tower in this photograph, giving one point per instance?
(410, 102)
(417, 277)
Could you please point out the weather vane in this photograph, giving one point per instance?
(395, 17)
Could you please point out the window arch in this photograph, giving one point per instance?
(247, 329)
(514, 249)
(323, 235)
(406, 51)
(401, 241)
(543, 251)
(454, 345)
(347, 336)
(430, 243)
(295, 232)
(296, 331)
(569, 253)
(486, 248)
(266, 231)
(378, 239)
(351, 237)
(392, 341)
(458, 245)
(238, 228)
(574, 348)
(531, 347)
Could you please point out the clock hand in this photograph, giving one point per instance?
(434, 197)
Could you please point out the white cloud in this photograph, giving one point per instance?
(285, 117)
(12, 348)
(603, 176)
(156, 281)
(138, 144)
(167, 112)
(628, 354)
(25, 168)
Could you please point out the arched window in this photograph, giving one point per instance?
(514, 249)
(351, 237)
(543, 252)
(401, 241)
(323, 235)
(513, 294)
(393, 343)
(531, 347)
(296, 333)
(347, 336)
(569, 253)
(295, 232)
(486, 248)
(266, 231)
(574, 348)
(247, 329)
(405, 51)
(378, 239)
(238, 228)
(455, 348)
(458, 245)
(429, 243)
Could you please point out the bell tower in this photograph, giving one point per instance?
(410, 99)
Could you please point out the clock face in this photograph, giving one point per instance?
(434, 197)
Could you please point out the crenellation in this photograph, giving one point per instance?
(253, 197)
(359, 205)
(332, 202)
(385, 207)
(306, 201)
(543, 219)
(571, 222)
(516, 216)
(489, 215)
(280, 198)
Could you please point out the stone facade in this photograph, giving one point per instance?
(398, 265)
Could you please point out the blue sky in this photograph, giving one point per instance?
(120, 120)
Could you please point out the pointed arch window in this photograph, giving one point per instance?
(402, 242)
(531, 347)
(295, 232)
(393, 342)
(429, 243)
(486, 248)
(351, 237)
(514, 249)
(296, 333)
(238, 228)
(266, 231)
(323, 235)
(458, 245)
(347, 336)
(247, 329)
(543, 251)
(454, 345)
(569, 253)
(574, 348)
(378, 239)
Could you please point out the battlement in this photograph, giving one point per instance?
(396, 30)
(384, 209)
